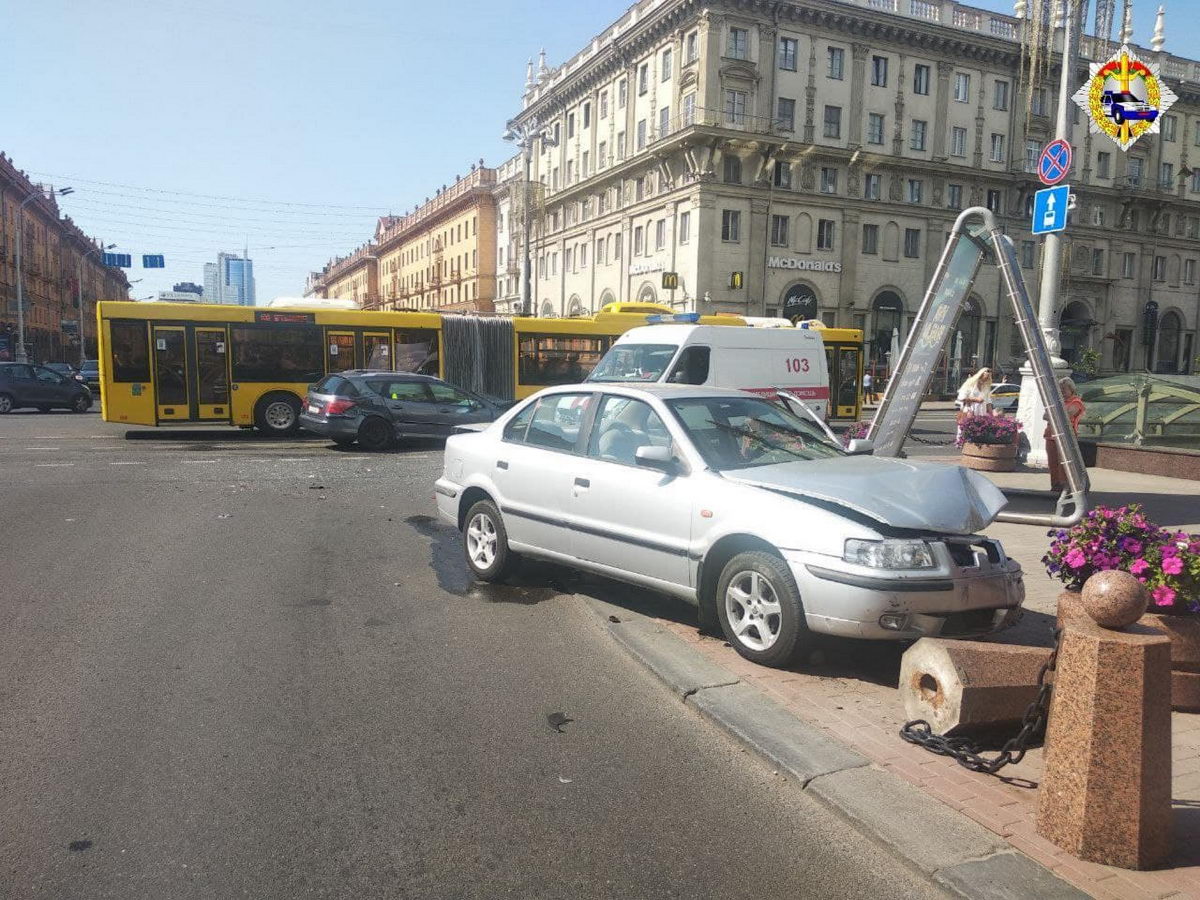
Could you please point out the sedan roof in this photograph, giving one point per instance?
(654, 389)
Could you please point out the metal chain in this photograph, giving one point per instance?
(969, 754)
(913, 437)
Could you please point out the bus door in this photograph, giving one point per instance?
(339, 351)
(211, 375)
(845, 377)
(171, 394)
(377, 353)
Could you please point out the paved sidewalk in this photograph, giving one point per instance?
(849, 691)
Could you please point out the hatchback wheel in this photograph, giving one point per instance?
(81, 404)
(485, 542)
(6, 404)
(760, 610)
(375, 434)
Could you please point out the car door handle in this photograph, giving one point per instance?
(583, 482)
(501, 464)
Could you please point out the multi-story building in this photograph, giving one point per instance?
(441, 256)
(808, 157)
(512, 193)
(230, 280)
(56, 259)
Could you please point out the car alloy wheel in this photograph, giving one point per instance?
(482, 541)
(6, 404)
(82, 404)
(753, 610)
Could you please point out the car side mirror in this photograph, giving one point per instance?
(861, 447)
(650, 457)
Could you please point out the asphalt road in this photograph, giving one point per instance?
(241, 668)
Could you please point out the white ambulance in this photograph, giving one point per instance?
(764, 361)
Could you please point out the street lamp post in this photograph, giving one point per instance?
(524, 135)
(21, 356)
(79, 283)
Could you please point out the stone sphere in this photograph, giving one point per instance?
(1115, 599)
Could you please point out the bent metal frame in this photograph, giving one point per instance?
(975, 233)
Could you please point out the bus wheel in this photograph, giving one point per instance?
(277, 414)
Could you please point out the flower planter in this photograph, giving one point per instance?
(990, 457)
(1184, 632)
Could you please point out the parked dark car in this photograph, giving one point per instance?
(66, 370)
(377, 408)
(90, 370)
(41, 388)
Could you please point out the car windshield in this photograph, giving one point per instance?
(740, 433)
(634, 362)
(1125, 97)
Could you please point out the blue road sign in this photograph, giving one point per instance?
(155, 261)
(1050, 209)
(1055, 162)
(121, 260)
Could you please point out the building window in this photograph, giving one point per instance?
(739, 43)
(733, 170)
(622, 93)
(872, 187)
(689, 110)
(587, 115)
(825, 229)
(584, 167)
(997, 148)
(569, 259)
(919, 129)
(1133, 170)
(879, 71)
(783, 175)
(1000, 97)
(1189, 271)
(875, 128)
(1038, 102)
(954, 196)
(643, 78)
(604, 104)
(660, 234)
(870, 239)
(685, 227)
(639, 241)
(829, 180)
(1033, 151)
(667, 64)
(691, 50)
(994, 201)
(618, 243)
(916, 190)
(921, 79)
(1168, 128)
(1103, 165)
(958, 141)
(1128, 265)
(912, 243)
(641, 134)
(1160, 268)
(787, 53)
(664, 122)
(570, 125)
(731, 226)
(1028, 250)
(837, 63)
(620, 145)
(1097, 261)
(735, 108)
(962, 87)
(602, 155)
(779, 231)
(639, 188)
(785, 114)
(833, 121)
(1166, 176)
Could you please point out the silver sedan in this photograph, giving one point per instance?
(737, 505)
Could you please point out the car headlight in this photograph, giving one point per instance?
(889, 554)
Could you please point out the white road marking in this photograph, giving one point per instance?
(41, 448)
(126, 463)
(53, 466)
(200, 462)
(48, 437)
(296, 459)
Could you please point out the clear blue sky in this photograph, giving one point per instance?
(356, 109)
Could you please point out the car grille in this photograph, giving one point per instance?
(966, 553)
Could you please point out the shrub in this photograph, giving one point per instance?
(855, 432)
(988, 429)
(1167, 562)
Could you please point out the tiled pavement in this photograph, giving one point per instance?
(849, 690)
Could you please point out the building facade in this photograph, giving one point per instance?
(809, 158)
(57, 260)
(230, 280)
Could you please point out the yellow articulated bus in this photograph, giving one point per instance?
(185, 363)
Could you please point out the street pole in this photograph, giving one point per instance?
(527, 262)
(1030, 409)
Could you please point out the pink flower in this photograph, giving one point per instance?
(1139, 566)
(1129, 545)
(1163, 596)
(1172, 565)
(1075, 559)
(1169, 550)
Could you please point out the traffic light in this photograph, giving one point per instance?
(736, 279)
(670, 281)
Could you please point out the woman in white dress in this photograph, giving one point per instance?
(975, 396)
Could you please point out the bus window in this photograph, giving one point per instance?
(130, 352)
(417, 351)
(278, 353)
(848, 384)
(341, 352)
(375, 349)
(550, 359)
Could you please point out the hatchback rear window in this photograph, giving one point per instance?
(336, 384)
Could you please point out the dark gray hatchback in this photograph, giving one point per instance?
(375, 408)
(27, 385)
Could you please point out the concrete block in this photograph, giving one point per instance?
(1006, 876)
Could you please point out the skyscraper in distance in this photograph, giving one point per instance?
(230, 280)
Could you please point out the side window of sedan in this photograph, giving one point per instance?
(448, 396)
(557, 420)
(624, 425)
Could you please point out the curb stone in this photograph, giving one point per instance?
(958, 854)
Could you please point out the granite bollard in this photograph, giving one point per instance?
(1105, 794)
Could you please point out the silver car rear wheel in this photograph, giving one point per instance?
(485, 542)
(753, 610)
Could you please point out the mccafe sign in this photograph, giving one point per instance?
(804, 265)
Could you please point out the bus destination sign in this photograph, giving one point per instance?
(284, 318)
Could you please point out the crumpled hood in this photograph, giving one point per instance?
(901, 493)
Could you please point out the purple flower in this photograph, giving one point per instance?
(1130, 545)
(1139, 566)
(1172, 565)
(1163, 595)
(1169, 550)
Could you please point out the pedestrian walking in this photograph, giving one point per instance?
(974, 397)
(1075, 408)
(868, 387)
